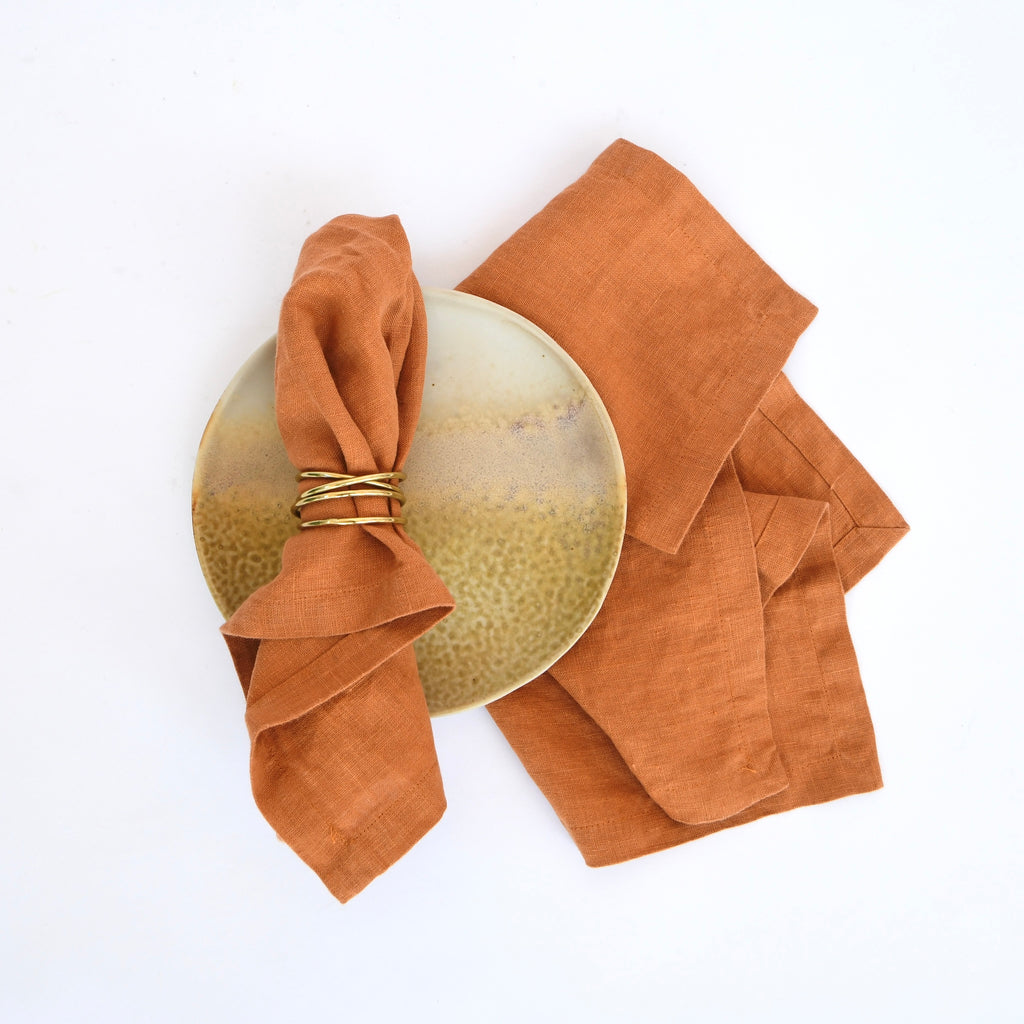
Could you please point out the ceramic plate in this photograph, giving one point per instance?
(516, 494)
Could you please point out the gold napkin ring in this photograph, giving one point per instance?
(344, 485)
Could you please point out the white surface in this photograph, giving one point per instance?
(163, 163)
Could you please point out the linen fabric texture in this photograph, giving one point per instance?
(342, 756)
(717, 684)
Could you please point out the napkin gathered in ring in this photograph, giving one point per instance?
(342, 756)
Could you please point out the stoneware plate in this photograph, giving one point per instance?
(516, 494)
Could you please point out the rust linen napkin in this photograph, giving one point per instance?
(718, 683)
(342, 754)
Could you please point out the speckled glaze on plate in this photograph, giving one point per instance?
(516, 494)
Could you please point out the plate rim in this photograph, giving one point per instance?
(466, 299)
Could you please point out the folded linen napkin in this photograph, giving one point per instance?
(718, 682)
(342, 754)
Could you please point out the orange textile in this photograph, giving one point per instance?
(342, 754)
(718, 682)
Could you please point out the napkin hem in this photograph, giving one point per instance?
(268, 614)
(821, 781)
(866, 525)
(387, 837)
(351, 658)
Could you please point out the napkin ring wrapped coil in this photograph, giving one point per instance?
(345, 485)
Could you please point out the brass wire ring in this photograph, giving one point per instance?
(345, 485)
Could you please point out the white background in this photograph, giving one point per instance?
(161, 165)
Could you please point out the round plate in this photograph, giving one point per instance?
(516, 494)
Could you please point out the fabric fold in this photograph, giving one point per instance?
(689, 712)
(818, 713)
(787, 449)
(677, 322)
(718, 683)
(782, 528)
(342, 756)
